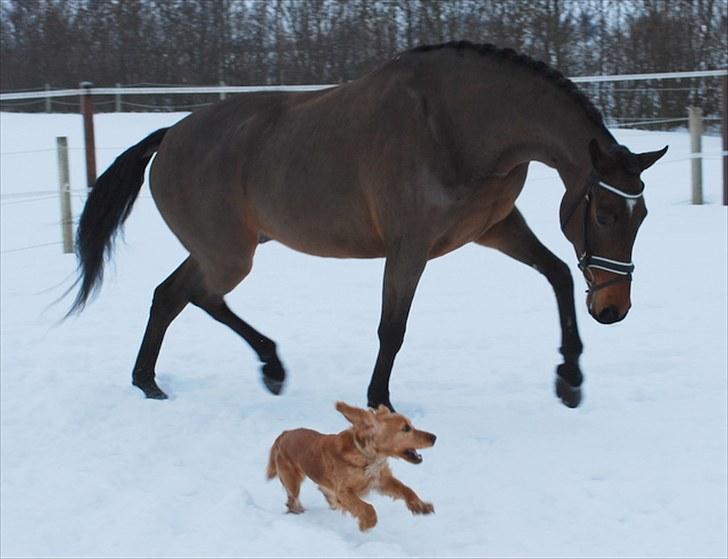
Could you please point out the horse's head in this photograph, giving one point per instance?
(602, 220)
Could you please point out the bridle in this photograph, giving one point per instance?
(587, 260)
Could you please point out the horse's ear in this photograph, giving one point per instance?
(648, 158)
(598, 157)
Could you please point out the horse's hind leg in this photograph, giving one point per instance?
(190, 283)
(170, 297)
(513, 237)
(273, 373)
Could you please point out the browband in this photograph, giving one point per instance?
(621, 193)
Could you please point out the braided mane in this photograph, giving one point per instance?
(525, 61)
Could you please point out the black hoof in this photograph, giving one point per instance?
(151, 390)
(274, 376)
(374, 405)
(275, 386)
(569, 395)
(568, 384)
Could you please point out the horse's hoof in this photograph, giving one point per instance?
(374, 405)
(569, 395)
(274, 376)
(275, 386)
(151, 390)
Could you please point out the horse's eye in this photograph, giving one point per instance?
(605, 218)
(406, 428)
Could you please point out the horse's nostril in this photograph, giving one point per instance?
(608, 314)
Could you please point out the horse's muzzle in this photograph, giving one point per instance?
(609, 315)
(611, 303)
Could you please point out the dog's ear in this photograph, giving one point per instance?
(382, 410)
(354, 415)
(363, 420)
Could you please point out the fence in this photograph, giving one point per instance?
(88, 95)
(655, 105)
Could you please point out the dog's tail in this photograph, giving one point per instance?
(272, 470)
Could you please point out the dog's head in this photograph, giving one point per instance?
(384, 433)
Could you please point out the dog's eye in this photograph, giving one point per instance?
(406, 428)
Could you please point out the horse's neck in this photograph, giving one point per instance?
(527, 118)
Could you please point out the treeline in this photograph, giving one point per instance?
(263, 42)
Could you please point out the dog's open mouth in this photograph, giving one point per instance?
(412, 456)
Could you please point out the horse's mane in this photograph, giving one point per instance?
(538, 66)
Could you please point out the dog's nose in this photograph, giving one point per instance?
(433, 438)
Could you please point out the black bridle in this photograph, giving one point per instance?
(587, 260)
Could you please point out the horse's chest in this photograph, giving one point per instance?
(474, 217)
(492, 202)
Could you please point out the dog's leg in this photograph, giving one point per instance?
(389, 485)
(361, 510)
(330, 498)
(291, 477)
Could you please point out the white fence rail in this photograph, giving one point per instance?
(166, 90)
(224, 89)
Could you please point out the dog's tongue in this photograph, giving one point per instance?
(413, 455)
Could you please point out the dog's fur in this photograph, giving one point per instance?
(346, 466)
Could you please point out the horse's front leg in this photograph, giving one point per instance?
(513, 237)
(405, 263)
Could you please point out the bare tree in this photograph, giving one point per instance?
(62, 42)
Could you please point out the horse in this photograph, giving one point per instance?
(409, 162)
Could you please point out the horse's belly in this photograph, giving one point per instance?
(332, 246)
(340, 231)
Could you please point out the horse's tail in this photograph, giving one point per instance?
(107, 207)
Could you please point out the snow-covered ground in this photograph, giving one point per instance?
(92, 469)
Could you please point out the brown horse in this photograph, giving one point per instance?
(410, 162)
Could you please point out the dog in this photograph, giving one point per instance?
(348, 465)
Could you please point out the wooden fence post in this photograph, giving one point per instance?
(47, 99)
(222, 93)
(87, 108)
(725, 140)
(695, 124)
(64, 183)
(117, 99)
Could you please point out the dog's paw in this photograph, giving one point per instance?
(295, 507)
(420, 507)
(368, 519)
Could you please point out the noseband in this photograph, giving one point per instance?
(587, 259)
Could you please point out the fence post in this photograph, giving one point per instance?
(117, 99)
(695, 124)
(725, 140)
(222, 93)
(64, 183)
(48, 99)
(87, 108)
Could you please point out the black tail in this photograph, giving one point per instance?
(107, 207)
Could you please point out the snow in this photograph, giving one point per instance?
(90, 468)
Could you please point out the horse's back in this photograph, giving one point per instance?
(335, 172)
(301, 168)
